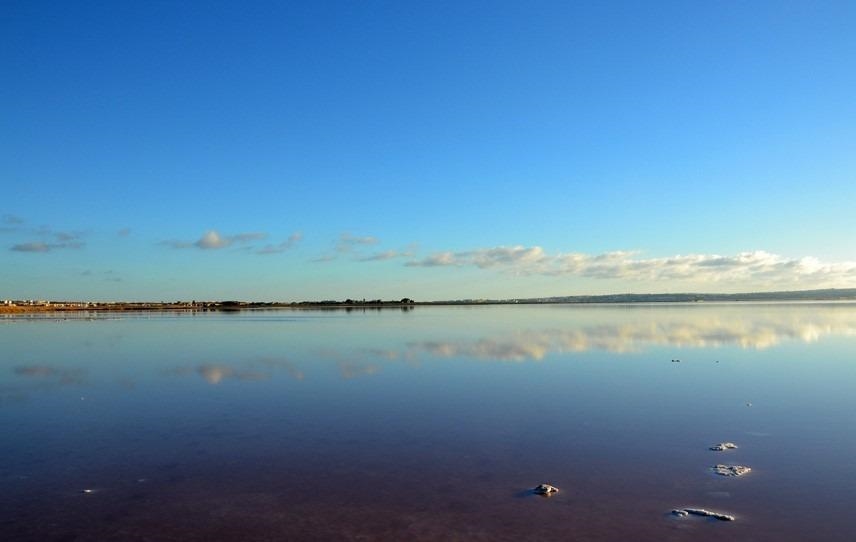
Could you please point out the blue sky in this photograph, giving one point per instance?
(434, 150)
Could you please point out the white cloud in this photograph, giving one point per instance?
(758, 267)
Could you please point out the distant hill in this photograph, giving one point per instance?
(830, 294)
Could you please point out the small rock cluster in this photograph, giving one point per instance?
(722, 446)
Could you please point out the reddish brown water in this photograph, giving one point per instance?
(432, 424)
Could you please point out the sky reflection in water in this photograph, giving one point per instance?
(238, 414)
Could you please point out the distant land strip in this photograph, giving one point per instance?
(25, 306)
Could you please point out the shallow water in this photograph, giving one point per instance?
(430, 424)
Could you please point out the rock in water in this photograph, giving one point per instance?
(684, 512)
(731, 470)
(722, 446)
(546, 489)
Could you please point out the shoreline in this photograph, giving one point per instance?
(218, 307)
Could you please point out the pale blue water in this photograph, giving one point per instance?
(429, 424)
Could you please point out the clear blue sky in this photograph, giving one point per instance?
(435, 150)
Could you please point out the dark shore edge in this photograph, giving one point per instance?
(826, 295)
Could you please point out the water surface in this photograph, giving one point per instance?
(429, 424)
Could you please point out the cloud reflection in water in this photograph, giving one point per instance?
(58, 375)
(552, 331)
(683, 329)
(350, 370)
(262, 369)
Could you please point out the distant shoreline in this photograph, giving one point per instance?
(20, 307)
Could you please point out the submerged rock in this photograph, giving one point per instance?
(545, 489)
(731, 470)
(722, 446)
(684, 512)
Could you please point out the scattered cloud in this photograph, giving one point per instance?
(386, 255)
(11, 220)
(348, 242)
(39, 246)
(213, 240)
(485, 258)
(174, 243)
(124, 232)
(438, 259)
(69, 239)
(31, 247)
(278, 248)
(245, 237)
(61, 240)
(744, 268)
(324, 258)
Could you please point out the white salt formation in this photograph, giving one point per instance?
(684, 512)
(731, 470)
(545, 489)
(722, 446)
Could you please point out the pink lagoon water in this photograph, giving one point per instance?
(430, 424)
